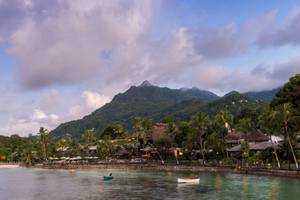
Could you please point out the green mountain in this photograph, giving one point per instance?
(234, 102)
(265, 96)
(148, 92)
(155, 102)
(145, 100)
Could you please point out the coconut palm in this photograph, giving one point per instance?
(142, 127)
(62, 143)
(28, 156)
(245, 124)
(120, 131)
(245, 150)
(287, 117)
(89, 137)
(268, 124)
(200, 124)
(44, 140)
(226, 118)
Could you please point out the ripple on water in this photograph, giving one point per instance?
(36, 184)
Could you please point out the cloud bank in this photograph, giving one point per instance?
(71, 41)
(101, 47)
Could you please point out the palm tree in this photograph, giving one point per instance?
(142, 127)
(44, 140)
(216, 143)
(120, 131)
(200, 123)
(245, 124)
(245, 150)
(138, 125)
(226, 118)
(89, 137)
(287, 115)
(28, 155)
(62, 143)
(105, 148)
(268, 124)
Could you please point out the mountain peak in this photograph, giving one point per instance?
(146, 84)
(195, 89)
(190, 89)
(232, 93)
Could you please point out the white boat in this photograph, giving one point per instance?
(188, 180)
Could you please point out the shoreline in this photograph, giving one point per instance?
(174, 168)
(8, 165)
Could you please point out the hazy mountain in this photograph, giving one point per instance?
(265, 96)
(201, 94)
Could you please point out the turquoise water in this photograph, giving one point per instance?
(38, 184)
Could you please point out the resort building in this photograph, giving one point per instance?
(257, 141)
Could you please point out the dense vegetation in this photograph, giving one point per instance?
(266, 96)
(201, 134)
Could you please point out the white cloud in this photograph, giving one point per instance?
(48, 110)
(94, 100)
(110, 45)
(102, 47)
(52, 101)
(281, 35)
(69, 46)
(89, 102)
(30, 123)
(39, 115)
(230, 40)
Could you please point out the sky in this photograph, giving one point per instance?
(62, 59)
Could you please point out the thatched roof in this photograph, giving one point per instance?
(260, 146)
(236, 137)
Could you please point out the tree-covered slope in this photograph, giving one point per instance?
(234, 102)
(265, 96)
(145, 100)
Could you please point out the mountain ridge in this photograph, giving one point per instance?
(148, 100)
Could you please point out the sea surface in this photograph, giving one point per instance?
(41, 184)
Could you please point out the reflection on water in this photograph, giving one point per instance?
(35, 184)
(245, 184)
(219, 182)
(274, 189)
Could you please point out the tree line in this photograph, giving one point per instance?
(200, 138)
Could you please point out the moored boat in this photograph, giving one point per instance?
(188, 180)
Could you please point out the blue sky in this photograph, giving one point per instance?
(60, 60)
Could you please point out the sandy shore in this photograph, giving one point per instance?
(8, 166)
(166, 167)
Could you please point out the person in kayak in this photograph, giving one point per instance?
(108, 178)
